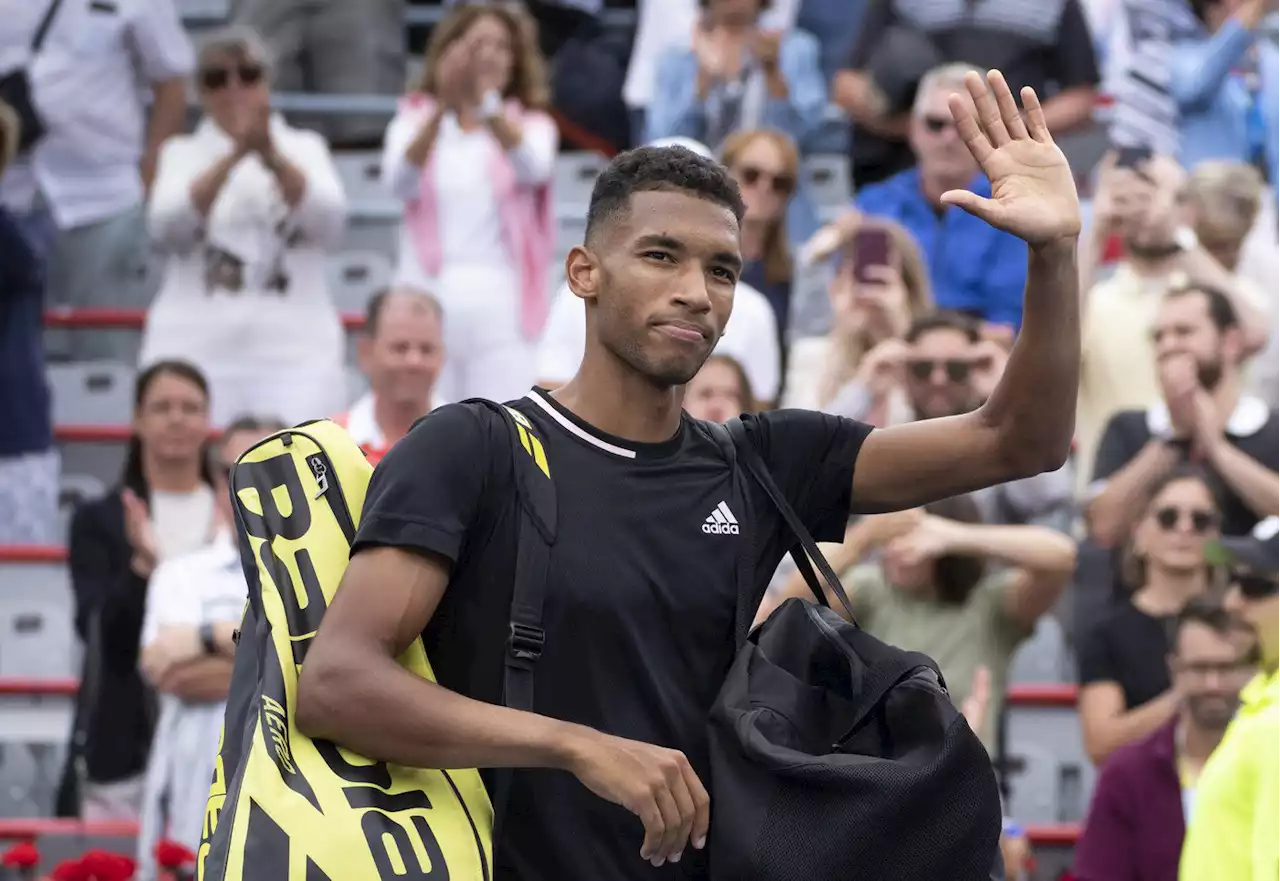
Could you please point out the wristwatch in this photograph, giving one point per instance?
(208, 641)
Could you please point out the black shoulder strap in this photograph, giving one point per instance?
(808, 550)
(536, 534)
(42, 31)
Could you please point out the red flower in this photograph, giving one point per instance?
(22, 855)
(70, 870)
(101, 865)
(172, 855)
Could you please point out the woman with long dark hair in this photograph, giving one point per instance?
(1125, 688)
(163, 507)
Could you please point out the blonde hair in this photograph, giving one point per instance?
(778, 266)
(528, 83)
(915, 278)
(10, 135)
(238, 41)
(1226, 197)
(948, 76)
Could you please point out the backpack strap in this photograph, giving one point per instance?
(749, 455)
(536, 534)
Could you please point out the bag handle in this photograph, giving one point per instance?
(808, 549)
(42, 31)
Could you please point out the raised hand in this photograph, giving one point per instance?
(1033, 193)
(140, 533)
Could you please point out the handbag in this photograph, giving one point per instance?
(15, 87)
(836, 756)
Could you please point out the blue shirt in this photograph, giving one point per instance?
(973, 267)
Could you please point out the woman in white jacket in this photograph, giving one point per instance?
(247, 207)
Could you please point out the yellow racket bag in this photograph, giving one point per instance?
(282, 806)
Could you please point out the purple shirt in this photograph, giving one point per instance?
(1135, 826)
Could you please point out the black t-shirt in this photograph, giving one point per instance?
(1045, 44)
(1129, 431)
(1130, 648)
(641, 599)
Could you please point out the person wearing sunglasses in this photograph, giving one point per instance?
(1233, 832)
(247, 208)
(194, 603)
(1125, 689)
(974, 267)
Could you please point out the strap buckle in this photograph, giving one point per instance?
(524, 643)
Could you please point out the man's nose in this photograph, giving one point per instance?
(693, 292)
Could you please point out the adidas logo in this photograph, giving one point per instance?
(721, 521)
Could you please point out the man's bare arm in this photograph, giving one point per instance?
(1256, 484)
(199, 680)
(353, 692)
(1111, 513)
(1025, 426)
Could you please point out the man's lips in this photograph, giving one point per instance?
(684, 330)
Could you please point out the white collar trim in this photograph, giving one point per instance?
(1248, 418)
(578, 432)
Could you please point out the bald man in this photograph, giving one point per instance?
(400, 352)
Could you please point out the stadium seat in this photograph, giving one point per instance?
(575, 175)
(1044, 657)
(355, 276)
(37, 639)
(91, 392)
(827, 179)
(361, 174)
(197, 14)
(1050, 776)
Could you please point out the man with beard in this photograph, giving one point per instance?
(1144, 207)
(1204, 419)
(1146, 790)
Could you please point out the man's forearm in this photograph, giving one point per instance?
(1033, 405)
(1027, 547)
(1257, 485)
(1109, 514)
(1070, 110)
(368, 703)
(201, 680)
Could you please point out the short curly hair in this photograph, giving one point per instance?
(652, 169)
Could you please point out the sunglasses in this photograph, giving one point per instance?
(213, 79)
(782, 184)
(1253, 585)
(938, 124)
(957, 370)
(1201, 520)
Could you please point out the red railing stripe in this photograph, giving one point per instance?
(1060, 835)
(133, 319)
(32, 554)
(16, 687)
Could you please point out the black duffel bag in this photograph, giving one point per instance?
(15, 87)
(836, 757)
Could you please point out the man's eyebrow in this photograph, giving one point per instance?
(657, 240)
(728, 259)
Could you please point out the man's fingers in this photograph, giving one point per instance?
(654, 828)
(701, 808)
(966, 119)
(1039, 129)
(988, 110)
(670, 811)
(976, 205)
(1010, 115)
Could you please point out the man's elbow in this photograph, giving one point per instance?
(324, 690)
(1024, 460)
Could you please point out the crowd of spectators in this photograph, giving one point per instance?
(895, 308)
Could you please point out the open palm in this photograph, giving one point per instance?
(1033, 193)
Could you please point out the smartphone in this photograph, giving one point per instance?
(870, 247)
(1132, 157)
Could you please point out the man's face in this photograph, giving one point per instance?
(1183, 327)
(1208, 669)
(1262, 615)
(404, 356)
(934, 139)
(939, 374)
(662, 284)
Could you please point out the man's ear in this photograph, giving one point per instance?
(582, 272)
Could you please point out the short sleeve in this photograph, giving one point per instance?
(811, 457)
(1075, 62)
(876, 16)
(426, 492)
(1096, 660)
(1117, 446)
(164, 49)
(165, 591)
